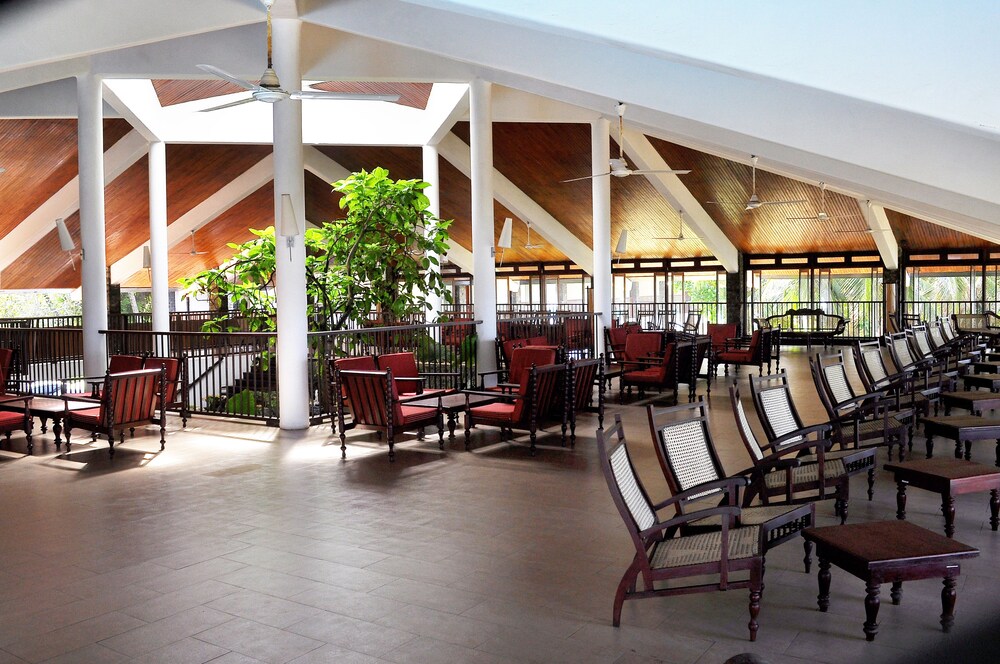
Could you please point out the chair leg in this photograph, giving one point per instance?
(840, 502)
(756, 587)
(871, 481)
(628, 581)
(807, 560)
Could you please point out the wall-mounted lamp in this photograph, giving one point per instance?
(505, 236)
(288, 226)
(147, 258)
(622, 245)
(66, 241)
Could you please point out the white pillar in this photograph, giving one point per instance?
(433, 192)
(93, 270)
(484, 292)
(600, 155)
(158, 266)
(293, 351)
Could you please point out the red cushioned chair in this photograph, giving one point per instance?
(752, 354)
(6, 358)
(521, 359)
(127, 400)
(376, 405)
(174, 393)
(580, 392)
(116, 364)
(505, 348)
(404, 372)
(528, 408)
(720, 334)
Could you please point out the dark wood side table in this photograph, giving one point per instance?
(878, 552)
(950, 478)
(990, 381)
(452, 404)
(961, 429)
(971, 400)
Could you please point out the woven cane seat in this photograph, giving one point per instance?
(808, 473)
(705, 548)
(751, 516)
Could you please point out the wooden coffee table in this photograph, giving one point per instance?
(990, 381)
(48, 408)
(451, 403)
(961, 429)
(878, 552)
(950, 478)
(971, 400)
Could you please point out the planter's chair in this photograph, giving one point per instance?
(409, 380)
(953, 348)
(127, 400)
(931, 369)
(689, 460)
(376, 405)
(772, 399)
(925, 349)
(750, 354)
(536, 402)
(581, 378)
(659, 558)
(798, 467)
(522, 358)
(859, 420)
(901, 387)
(174, 385)
(690, 324)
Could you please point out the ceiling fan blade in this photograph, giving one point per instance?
(343, 96)
(587, 177)
(230, 104)
(215, 71)
(856, 230)
(674, 171)
(533, 246)
(742, 205)
(781, 202)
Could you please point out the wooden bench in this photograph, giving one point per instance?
(986, 324)
(807, 325)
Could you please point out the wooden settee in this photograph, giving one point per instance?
(806, 326)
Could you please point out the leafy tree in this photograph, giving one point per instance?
(377, 259)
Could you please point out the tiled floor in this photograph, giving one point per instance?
(241, 543)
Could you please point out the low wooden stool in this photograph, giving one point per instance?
(950, 478)
(961, 428)
(990, 381)
(878, 552)
(971, 400)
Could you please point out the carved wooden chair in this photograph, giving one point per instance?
(657, 372)
(409, 380)
(127, 400)
(954, 348)
(614, 345)
(907, 360)
(174, 385)
(660, 558)
(505, 347)
(535, 402)
(901, 387)
(116, 364)
(772, 399)
(375, 405)
(925, 349)
(859, 420)
(522, 358)
(581, 376)
(798, 467)
(688, 459)
(750, 354)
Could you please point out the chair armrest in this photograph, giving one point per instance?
(495, 395)
(13, 398)
(802, 433)
(728, 483)
(697, 515)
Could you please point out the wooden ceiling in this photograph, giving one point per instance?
(40, 158)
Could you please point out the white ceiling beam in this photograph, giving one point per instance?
(459, 154)
(672, 188)
(459, 255)
(119, 157)
(209, 209)
(115, 95)
(878, 224)
(450, 111)
(47, 73)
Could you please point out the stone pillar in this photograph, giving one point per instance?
(736, 295)
(484, 294)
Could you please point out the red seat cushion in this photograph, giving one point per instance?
(524, 357)
(362, 363)
(86, 416)
(499, 412)
(736, 356)
(10, 420)
(414, 414)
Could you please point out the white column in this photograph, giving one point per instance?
(90, 139)
(433, 192)
(158, 266)
(293, 352)
(600, 155)
(484, 292)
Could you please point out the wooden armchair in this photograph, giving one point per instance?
(581, 376)
(750, 353)
(901, 387)
(537, 399)
(688, 459)
(522, 358)
(127, 400)
(772, 399)
(409, 380)
(175, 395)
(859, 420)
(797, 467)
(660, 558)
(116, 364)
(614, 347)
(16, 416)
(376, 405)
(505, 347)
(907, 360)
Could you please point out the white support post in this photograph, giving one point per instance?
(158, 266)
(433, 192)
(600, 156)
(484, 293)
(94, 292)
(290, 255)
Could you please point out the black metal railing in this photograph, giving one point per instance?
(574, 331)
(925, 310)
(663, 315)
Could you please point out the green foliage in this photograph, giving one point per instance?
(375, 259)
(242, 403)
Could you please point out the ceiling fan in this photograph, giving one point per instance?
(269, 89)
(528, 244)
(822, 215)
(194, 248)
(619, 167)
(754, 202)
(680, 231)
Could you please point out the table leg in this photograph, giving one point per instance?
(452, 416)
(958, 448)
(994, 509)
(896, 594)
(901, 500)
(948, 596)
(57, 431)
(824, 584)
(930, 445)
(43, 419)
(871, 609)
(948, 509)
(968, 450)
(997, 462)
